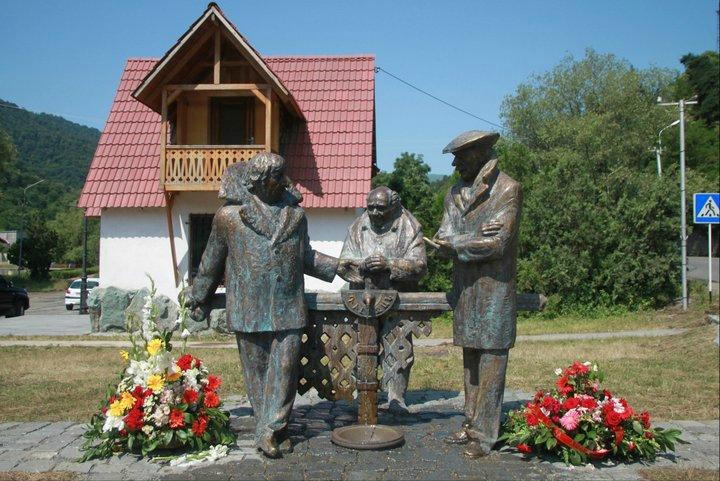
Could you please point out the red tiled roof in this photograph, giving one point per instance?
(330, 156)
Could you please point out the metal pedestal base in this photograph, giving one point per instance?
(367, 436)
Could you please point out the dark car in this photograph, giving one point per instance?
(13, 300)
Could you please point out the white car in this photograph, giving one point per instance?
(72, 294)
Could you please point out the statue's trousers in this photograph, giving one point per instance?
(484, 371)
(270, 362)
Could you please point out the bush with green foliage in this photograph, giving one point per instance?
(39, 247)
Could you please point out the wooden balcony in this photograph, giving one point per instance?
(200, 167)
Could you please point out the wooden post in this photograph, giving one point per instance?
(169, 199)
(268, 121)
(216, 70)
(163, 136)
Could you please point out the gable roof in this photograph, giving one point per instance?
(330, 156)
(148, 93)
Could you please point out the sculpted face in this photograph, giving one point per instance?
(468, 162)
(378, 208)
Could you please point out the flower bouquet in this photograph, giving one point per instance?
(161, 401)
(578, 422)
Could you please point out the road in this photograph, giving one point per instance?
(46, 317)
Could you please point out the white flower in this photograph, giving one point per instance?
(185, 334)
(113, 422)
(558, 371)
(217, 451)
(147, 429)
(587, 363)
(594, 368)
(139, 371)
(191, 378)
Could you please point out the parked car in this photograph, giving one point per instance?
(14, 301)
(72, 294)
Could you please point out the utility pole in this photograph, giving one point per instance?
(658, 149)
(83, 284)
(22, 223)
(683, 235)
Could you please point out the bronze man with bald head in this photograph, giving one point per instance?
(384, 249)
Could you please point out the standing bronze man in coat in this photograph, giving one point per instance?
(479, 231)
(259, 243)
(385, 244)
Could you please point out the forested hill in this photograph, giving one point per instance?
(49, 146)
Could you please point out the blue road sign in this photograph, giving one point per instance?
(707, 208)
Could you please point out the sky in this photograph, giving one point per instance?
(65, 58)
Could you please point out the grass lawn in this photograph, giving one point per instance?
(673, 377)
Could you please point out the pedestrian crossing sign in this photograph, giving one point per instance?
(707, 208)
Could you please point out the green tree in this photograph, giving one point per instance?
(39, 248)
(703, 75)
(69, 227)
(598, 225)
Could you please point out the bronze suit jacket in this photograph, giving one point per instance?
(263, 256)
(484, 291)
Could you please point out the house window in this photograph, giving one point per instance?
(200, 227)
(232, 120)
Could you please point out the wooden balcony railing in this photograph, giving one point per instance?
(200, 167)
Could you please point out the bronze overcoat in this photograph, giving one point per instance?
(483, 294)
(263, 252)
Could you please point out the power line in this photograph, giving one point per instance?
(380, 69)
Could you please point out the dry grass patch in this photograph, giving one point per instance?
(673, 377)
(43, 476)
(679, 474)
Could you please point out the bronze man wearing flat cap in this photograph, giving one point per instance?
(479, 231)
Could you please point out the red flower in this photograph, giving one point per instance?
(612, 418)
(190, 396)
(112, 399)
(185, 362)
(198, 427)
(588, 402)
(531, 419)
(571, 403)
(628, 410)
(631, 446)
(134, 419)
(555, 419)
(551, 404)
(607, 394)
(211, 399)
(645, 417)
(580, 368)
(649, 434)
(123, 433)
(563, 386)
(538, 396)
(177, 419)
(524, 448)
(213, 382)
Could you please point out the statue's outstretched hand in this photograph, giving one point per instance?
(445, 249)
(349, 270)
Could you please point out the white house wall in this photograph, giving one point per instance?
(134, 242)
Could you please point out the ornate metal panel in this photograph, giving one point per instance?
(329, 354)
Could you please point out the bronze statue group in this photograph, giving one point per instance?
(259, 245)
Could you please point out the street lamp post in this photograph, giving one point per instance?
(22, 224)
(658, 150)
(683, 236)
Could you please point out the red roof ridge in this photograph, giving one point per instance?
(312, 57)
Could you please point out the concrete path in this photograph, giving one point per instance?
(42, 446)
(417, 342)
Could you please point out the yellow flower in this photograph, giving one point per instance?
(174, 376)
(154, 346)
(125, 355)
(127, 400)
(116, 408)
(155, 382)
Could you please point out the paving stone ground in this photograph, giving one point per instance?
(43, 446)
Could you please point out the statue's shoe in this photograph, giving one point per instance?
(286, 446)
(476, 449)
(458, 437)
(268, 447)
(398, 406)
